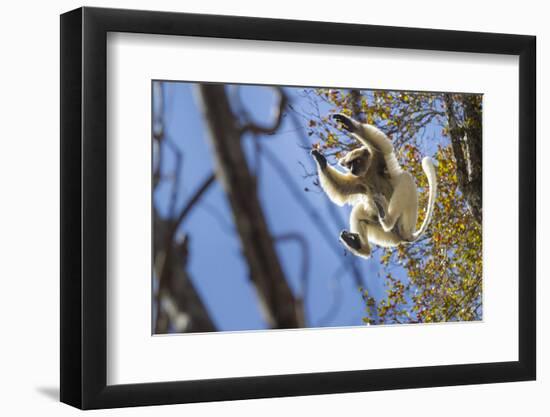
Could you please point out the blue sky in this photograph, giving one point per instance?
(216, 266)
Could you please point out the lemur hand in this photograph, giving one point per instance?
(346, 122)
(319, 157)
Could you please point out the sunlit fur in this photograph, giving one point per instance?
(383, 196)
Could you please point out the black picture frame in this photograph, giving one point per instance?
(84, 207)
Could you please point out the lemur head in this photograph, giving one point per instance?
(357, 161)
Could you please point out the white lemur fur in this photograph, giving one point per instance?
(383, 196)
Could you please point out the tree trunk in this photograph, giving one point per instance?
(178, 302)
(276, 299)
(466, 140)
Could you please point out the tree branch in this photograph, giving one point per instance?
(467, 150)
(276, 299)
(304, 270)
(257, 129)
(205, 185)
(178, 306)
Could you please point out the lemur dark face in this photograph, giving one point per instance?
(357, 161)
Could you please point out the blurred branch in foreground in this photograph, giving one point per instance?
(178, 307)
(278, 304)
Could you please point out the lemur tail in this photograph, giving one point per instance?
(429, 170)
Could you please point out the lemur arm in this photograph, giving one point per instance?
(368, 135)
(338, 186)
(374, 139)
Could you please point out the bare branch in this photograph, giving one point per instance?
(336, 301)
(304, 271)
(177, 177)
(257, 129)
(178, 305)
(205, 185)
(278, 304)
(224, 224)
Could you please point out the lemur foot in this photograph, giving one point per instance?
(350, 239)
(346, 122)
(319, 157)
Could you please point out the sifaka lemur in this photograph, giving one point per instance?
(384, 196)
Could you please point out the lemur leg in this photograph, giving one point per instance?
(356, 240)
(389, 217)
(401, 212)
(381, 204)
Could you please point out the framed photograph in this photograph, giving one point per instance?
(258, 208)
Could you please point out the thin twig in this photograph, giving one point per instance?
(206, 183)
(224, 224)
(255, 128)
(337, 299)
(301, 241)
(177, 177)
